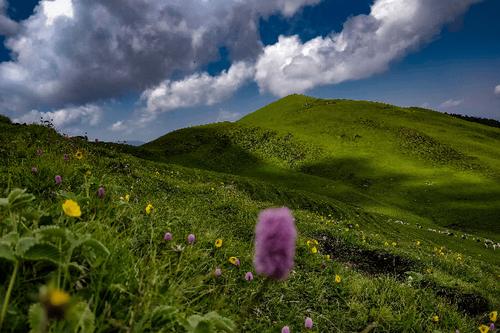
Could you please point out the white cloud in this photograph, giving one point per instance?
(497, 90)
(65, 118)
(197, 89)
(53, 9)
(73, 52)
(7, 26)
(118, 126)
(366, 45)
(451, 103)
(228, 116)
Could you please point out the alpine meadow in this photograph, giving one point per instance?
(249, 166)
(396, 211)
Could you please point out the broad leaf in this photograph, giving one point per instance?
(23, 244)
(6, 252)
(36, 318)
(81, 319)
(43, 251)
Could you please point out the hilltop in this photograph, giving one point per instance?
(407, 163)
(396, 211)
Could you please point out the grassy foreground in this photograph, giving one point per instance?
(367, 260)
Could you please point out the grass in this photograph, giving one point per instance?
(213, 180)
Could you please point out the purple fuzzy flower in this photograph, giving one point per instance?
(275, 236)
(66, 157)
(168, 236)
(492, 327)
(249, 276)
(218, 272)
(191, 238)
(58, 179)
(308, 323)
(101, 192)
(34, 170)
(285, 329)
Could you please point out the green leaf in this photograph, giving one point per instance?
(99, 250)
(221, 323)
(36, 318)
(6, 252)
(52, 231)
(19, 198)
(23, 244)
(43, 251)
(81, 319)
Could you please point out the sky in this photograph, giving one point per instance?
(136, 69)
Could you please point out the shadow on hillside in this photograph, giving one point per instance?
(463, 205)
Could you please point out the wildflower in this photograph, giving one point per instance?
(235, 261)
(55, 301)
(493, 316)
(492, 327)
(126, 198)
(39, 152)
(308, 323)
(417, 243)
(149, 208)
(79, 154)
(484, 328)
(218, 243)
(327, 257)
(71, 208)
(217, 272)
(285, 329)
(394, 243)
(34, 170)
(428, 270)
(101, 192)
(275, 237)
(386, 243)
(66, 157)
(191, 238)
(338, 279)
(168, 236)
(249, 276)
(314, 250)
(435, 318)
(58, 179)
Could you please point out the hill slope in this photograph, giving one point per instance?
(407, 163)
(356, 266)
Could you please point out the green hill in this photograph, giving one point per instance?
(395, 210)
(407, 163)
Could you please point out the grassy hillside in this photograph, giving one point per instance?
(365, 261)
(407, 163)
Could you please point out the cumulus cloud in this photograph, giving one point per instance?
(367, 45)
(82, 51)
(451, 103)
(65, 118)
(197, 89)
(7, 26)
(497, 90)
(228, 116)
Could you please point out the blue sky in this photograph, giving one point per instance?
(136, 94)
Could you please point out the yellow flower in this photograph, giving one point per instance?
(338, 279)
(394, 243)
(314, 250)
(429, 270)
(79, 154)
(149, 208)
(218, 243)
(417, 243)
(71, 208)
(484, 329)
(308, 243)
(126, 198)
(235, 261)
(58, 297)
(435, 318)
(493, 316)
(386, 243)
(315, 242)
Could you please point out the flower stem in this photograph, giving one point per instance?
(7, 295)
